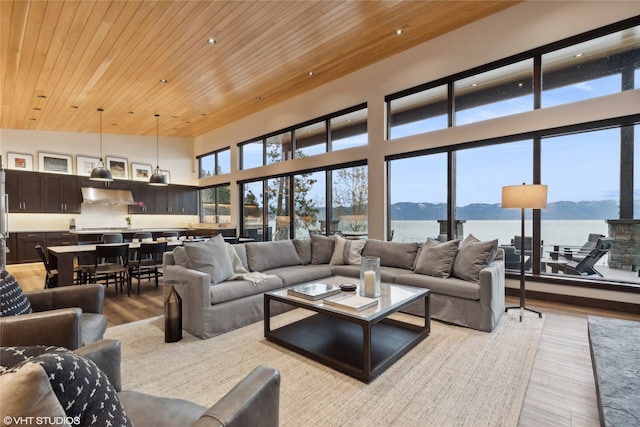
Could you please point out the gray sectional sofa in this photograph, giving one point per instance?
(223, 284)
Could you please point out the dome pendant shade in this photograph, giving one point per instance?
(100, 172)
(158, 178)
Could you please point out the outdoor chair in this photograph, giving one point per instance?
(575, 253)
(586, 266)
(147, 263)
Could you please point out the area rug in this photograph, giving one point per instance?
(456, 377)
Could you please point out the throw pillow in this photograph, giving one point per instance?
(392, 254)
(347, 251)
(303, 248)
(263, 256)
(180, 257)
(210, 257)
(12, 300)
(321, 249)
(26, 392)
(472, 257)
(83, 391)
(436, 259)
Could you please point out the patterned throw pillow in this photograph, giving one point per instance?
(12, 299)
(84, 392)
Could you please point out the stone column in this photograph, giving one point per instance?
(625, 251)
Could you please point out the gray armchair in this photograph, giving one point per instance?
(67, 317)
(254, 401)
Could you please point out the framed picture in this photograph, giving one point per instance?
(55, 163)
(140, 171)
(167, 174)
(23, 162)
(84, 165)
(119, 167)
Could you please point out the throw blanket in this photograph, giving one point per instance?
(241, 273)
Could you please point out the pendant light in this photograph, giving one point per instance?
(158, 178)
(100, 172)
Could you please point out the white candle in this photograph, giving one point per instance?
(369, 283)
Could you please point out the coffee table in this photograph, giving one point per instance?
(360, 344)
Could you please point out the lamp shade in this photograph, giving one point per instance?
(524, 196)
(158, 179)
(100, 173)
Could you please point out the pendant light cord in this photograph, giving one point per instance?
(101, 152)
(157, 143)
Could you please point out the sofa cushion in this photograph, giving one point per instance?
(347, 251)
(93, 326)
(210, 257)
(472, 257)
(387, 274)
(12, 300)
(321, 249)
(263, 256)
(82, 389)
(450, 286)
(236, 289)
(436, 259)
(303, 248)
(241, 251)
(301, 273)
(392, 254)
(147, 410)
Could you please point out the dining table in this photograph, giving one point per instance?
(62, 258)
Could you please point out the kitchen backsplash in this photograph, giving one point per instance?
(96, 216)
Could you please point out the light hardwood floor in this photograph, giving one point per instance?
(561, 389)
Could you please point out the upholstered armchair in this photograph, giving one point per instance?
(254, 401)
(67, 317)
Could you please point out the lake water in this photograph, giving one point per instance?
(557, 232)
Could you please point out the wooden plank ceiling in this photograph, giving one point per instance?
(62, 60)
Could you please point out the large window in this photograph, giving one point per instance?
(347, 128)
(481, 174)
(215, 205)
(215, 163)
(591, 69)
(309, 198)
(418, 197)
(350, 195)
(495, 93)
(418, 113)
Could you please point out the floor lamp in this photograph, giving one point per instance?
(524, 197)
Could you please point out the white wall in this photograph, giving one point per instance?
(525, 26)
(176, 154)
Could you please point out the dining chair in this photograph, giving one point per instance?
(112, 238)
(51, 278)
(86, 262)
(147, 263)
(111, 262)
(171, 234)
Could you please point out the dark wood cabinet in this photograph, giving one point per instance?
(60, 238)
(12, 249)
(116, 184)
(183, 200)
(145, 193)
(25, 190)
(62, 194)
(173, 199)
(26, 246)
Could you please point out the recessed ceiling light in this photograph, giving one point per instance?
(211, 41)
(32, 119)
(42, 97)
(399, 32)
(311, 73)
(114, 125)
(258, 98)
(75, 106)
(130, 112)
(164, 81)
(37, 109)
(203, 115)
(578, 55)
(520, 84)
(175, 117)
(474, 84)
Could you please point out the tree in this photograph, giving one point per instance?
(350, 196)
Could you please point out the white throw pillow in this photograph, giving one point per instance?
(347, 251)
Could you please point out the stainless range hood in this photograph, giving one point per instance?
(103, 196)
